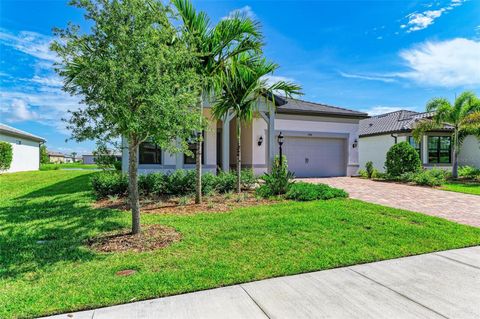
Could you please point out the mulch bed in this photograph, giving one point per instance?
(186, 205)
(151, 238)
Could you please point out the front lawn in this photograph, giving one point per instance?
(462, 187)
(45, 267)
(53, 166)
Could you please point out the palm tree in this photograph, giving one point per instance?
(214, 45)
(245, 82)
(463, 116)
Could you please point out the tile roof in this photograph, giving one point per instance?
(393, 122)
(57, 154)
(16, 132)
(290, 105)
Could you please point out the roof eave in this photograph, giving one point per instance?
(26, 136)
(322, 113)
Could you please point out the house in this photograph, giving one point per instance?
(320, 140)
(379, 133)
(91, 159)
(56, 157)
(25, 147)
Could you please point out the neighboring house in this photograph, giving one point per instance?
(90, 158)
(69, 159)
(379, 133)
(320, 140)
(25, 146)
(56, 157)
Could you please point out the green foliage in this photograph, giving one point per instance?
(428, 177)
(109, 183)
(6, 155)
(225, 182)
(44, 154)
(369, 168)
(278, 181)
(154, 183)
(402, 158)
(180, 182)
(57, 166)
(104, 157)
(307, 192)
(469, 172)
(363, 173)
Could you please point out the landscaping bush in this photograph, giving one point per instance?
(180, 182)
(248, 179)
(6, 156)
(429, 177)
(278, 181)
(308, 192)
(369, 168)
(402, 158)
(225, 182)
(363, 173)
(208, 183)
(109, 183)
(154, 183)
(469, 172)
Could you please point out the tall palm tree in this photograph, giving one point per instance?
(463, 115)
(245, 82)
(215, 46)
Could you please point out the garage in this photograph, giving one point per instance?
(316, 156)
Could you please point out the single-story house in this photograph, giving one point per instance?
(56, 157)
(91, 159)
(25, 147)
(379, 133)
(320, 140)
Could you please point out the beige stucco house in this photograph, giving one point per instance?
(379, 133)
(320, 140)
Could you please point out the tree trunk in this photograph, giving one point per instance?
(455, 155)
(133, 185)
(239, 156)
(198, 160)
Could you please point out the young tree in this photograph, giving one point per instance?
(136, 76)
(44, 154)
(104, 158)
(244, 83)
(214, 45)
(463, 116)
(74, 156)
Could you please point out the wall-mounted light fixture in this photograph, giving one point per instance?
(355, 143)
(260, 140)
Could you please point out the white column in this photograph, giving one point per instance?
(271, 139)
(425, 149)
(226, 142)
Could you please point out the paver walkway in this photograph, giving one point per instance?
(458, 207)
(438, 285)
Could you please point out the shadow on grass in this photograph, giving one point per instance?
(50, 225)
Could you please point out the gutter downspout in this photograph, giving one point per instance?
(394, 137)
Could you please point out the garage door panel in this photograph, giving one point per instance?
(315, 156)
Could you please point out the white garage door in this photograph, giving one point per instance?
(315, 156)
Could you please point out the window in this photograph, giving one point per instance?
(150, 153)
(416, 146)
(193, 148)
(440, 149)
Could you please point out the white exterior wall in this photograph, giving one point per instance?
(470, 152)
(26, 153)
(375, 148)
(259, 153)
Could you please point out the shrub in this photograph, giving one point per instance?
(307, 192)
(248, 179)
(369, 168)
(208, 183)
(180, 182)
(154, 183)
(363, 173)
(431, 177)
(469, 172)
(6, 156)
(117, 165)
(225, 182)
(278, 181)
(109, 183)
(402, 158)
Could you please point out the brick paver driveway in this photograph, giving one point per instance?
(458, 207)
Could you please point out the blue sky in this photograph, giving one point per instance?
(374, 56)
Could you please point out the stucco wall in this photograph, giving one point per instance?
(375, 148)
(26, 153)
(470, 152)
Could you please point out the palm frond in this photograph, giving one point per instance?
(421, 127)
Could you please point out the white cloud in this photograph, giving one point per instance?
(377, 110)
(18, 111)
(367, 77)
(244, 11)
(276, 78)
(35, 44)
(421, 20)
(451, 63)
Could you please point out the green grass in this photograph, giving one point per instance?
(462, 187)
(217, 249)
(50, 167)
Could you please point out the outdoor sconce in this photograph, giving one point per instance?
(260, 141)
(355, 143)
(280, 143)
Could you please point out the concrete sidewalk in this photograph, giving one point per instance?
(438, 285)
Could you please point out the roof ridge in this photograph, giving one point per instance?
(323, 104)
(388, 113)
